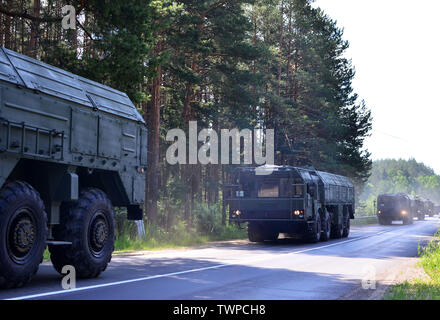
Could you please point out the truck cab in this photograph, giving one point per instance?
(392, 207)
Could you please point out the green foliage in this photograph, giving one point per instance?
(422, 289)
(206, 227)
(306, 93)
(430, 259)
(394, 176)
(409, 176)
(271, 64)
(121, 39)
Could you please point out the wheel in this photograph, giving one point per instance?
(23, 232)
(254, 233)
(326, 227)
(384, 221)
(315, 234)
(408, 220)
(421, 217)
(346, 229)
(337, 231)
(90, 225)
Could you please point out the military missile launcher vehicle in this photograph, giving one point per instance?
(70, 150)
(418, 208)
(299, 202)
(429, 208)
(394, 207)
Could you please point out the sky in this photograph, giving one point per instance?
(395, 49)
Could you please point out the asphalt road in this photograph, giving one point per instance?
(286, 269)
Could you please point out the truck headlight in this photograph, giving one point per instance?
(404, 213)
(297, 212)
(236, 212)
(379, 212)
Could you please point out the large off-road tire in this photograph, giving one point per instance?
(326, 227)
(23, 233)
(315, 234)
(346, 229)
(337, 230)
(255, 233)
(89, 224)
(421, 216)
(407, 220)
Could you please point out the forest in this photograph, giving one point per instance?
(272, 64)
(393, 176)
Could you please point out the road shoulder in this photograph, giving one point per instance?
(406, 270)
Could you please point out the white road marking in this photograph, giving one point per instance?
(52, 293)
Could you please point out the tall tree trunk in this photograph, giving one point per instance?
(153, 147)
(281, 50)
(2, 32)
(187, 116)
(7, 28)
(85, 37)
(23, 49)
(34, 30)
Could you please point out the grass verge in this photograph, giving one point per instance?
(360, 221)
(177, 238)
(422, 289)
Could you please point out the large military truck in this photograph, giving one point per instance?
(70, 150)
(299, 202)
(394, 207)
(418, 208)
(429, 208)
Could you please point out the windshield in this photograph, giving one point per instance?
(391, 202)
(271, 187)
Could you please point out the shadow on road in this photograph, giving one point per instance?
(231, 282)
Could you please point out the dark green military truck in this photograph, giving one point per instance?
(70, 150)
(436, 209)
(299, 202)
(418, 207)
(429, 208)
(393, 207)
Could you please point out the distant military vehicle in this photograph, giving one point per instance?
(70, 150)
(429, 208)
(296, 201)
(437, 210)
(418, 207)
(392, 207)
